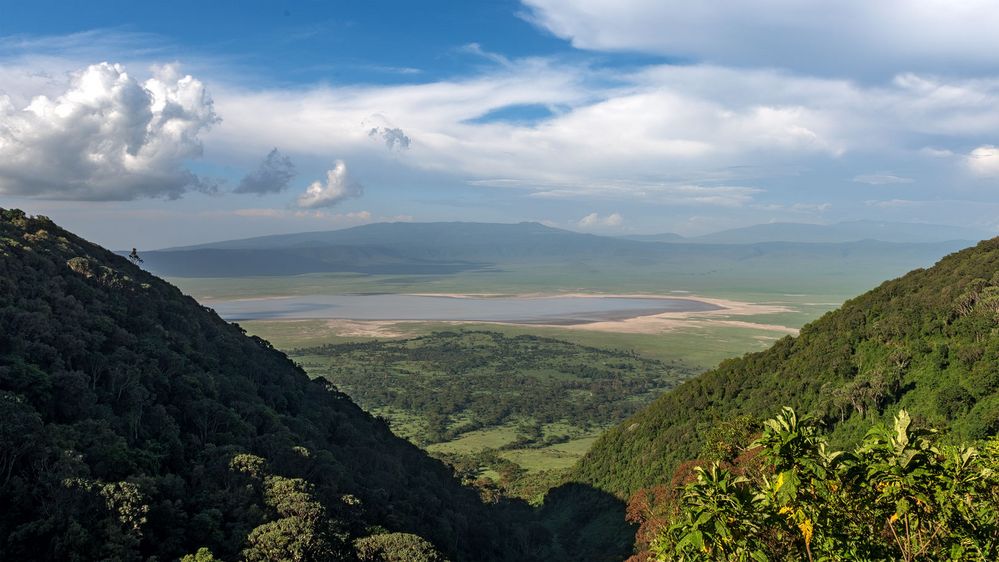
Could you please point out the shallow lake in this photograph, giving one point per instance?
(517, 310)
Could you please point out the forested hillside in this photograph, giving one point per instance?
(926, 342)
(135, 423)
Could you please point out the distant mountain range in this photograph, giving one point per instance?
(454, 247)
(852, 231)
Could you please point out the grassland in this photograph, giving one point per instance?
(539, 401)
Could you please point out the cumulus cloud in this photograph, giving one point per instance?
(984, 161)
(880, 179)
(338, 186)
(107, 136)
(394, 138)
(272, 176)
(593, 220)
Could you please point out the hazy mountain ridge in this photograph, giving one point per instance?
(445, 248)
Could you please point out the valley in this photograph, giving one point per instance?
(689, 305)
(504, 281)
(545, 421)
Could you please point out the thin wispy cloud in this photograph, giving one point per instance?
(881, 179)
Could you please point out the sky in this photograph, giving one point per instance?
(162, 124)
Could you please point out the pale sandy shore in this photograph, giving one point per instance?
(671, 321)
(652, 324)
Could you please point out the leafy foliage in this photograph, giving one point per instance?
(897, 496)
(927, 342)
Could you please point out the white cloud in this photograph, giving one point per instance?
(984, 161)
(844, 37)
(106, 136)
(593, 220)
(695, 135)
(892, 203)
(881, 179)
(394, 138)
(273, 175)
(936, 152)
(660, 125)
(338, 186)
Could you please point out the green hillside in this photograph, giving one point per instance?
(926, 342)
(136, 424)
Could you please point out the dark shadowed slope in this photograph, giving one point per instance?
(927, 342)
(136, 423)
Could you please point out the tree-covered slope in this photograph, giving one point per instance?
(926, 342)
(135, 423)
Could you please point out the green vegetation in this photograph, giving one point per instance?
(136, 424)
(896, 496)
(927, 342)
(701, 346)
(453, 383)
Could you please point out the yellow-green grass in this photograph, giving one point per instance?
(476, 441)
(702, 346)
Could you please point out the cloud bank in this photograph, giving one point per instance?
(817, 37)
(107, 137)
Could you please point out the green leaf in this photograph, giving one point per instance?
(902, 421)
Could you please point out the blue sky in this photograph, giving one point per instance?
(154, 125)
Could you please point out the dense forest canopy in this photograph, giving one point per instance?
(927, 342)
(138, 424)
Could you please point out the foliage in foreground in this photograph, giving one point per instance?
(897, 496)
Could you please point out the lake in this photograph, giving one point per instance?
(562, 310)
